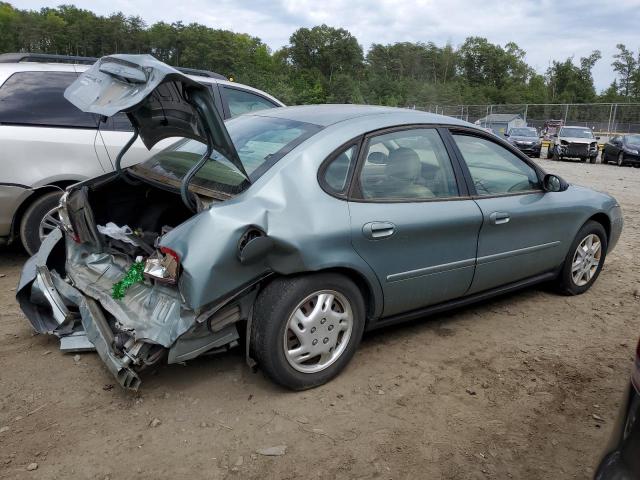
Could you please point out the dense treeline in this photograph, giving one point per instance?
(325, 64)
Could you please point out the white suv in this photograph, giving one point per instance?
(48, 144)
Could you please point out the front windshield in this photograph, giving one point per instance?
(260, 142)
(576, 132)
(633, 139)
(523, 132)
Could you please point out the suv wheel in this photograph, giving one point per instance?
(307, 328)
(30, 225)
(584, 260)
(620, 161)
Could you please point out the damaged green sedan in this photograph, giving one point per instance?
(298, 227)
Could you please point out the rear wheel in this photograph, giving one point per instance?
(38, 221)
(584, 260)
(307, 328)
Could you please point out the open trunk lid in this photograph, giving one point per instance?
(160, 101)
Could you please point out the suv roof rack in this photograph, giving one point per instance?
(51, 58)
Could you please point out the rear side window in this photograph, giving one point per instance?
(241, 101)
(337, 173)
(36, 98)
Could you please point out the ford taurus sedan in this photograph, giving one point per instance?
(300, 227)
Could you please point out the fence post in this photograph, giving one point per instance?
(566, 113)
(526, 109)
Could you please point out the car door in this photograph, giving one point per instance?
(524, 229)
(412, 220)
(45, 138)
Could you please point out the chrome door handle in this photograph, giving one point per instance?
(499, 218)
(378, 230)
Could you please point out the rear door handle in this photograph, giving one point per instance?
(499, 218)
(378, 230)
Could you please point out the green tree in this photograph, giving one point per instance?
(627, 68)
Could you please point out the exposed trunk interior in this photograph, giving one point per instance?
(142, 207)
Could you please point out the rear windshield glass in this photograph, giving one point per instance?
(260, 142)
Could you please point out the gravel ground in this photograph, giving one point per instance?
(523, 386)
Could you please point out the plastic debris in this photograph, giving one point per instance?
(119, 233)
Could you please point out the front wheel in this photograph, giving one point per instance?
(620, 161)
(584, 260)
(306, 328)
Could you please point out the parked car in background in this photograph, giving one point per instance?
(48, 144)
(623, 150)
(526, 139)
(301, 226)
(621, 460)
(550, 128)
(574, 142)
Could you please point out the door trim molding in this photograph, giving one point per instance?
(514, 253)
(419, 272)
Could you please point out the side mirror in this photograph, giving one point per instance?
(553, 183)
(597, 138)
(555, 135)
(506, 134)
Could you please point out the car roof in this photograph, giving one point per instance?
(576, 126)
(329, 114)
(7, 69)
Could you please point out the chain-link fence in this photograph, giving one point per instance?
(604, 118)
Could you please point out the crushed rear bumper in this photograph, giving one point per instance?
(54, 307)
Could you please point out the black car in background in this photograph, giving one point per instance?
(622, 149)
(622, 458)
(526, 139)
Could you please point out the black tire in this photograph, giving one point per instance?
(272, 310)
(603, 157)
(593, 159)
(565, 280)
(556, 157)
(620, 161)
(549, 152)
(33, 215)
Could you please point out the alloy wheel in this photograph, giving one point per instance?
(318, 331)
(49, 222)
(586, 260)
(620, 159)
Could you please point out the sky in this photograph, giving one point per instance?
(547, 30)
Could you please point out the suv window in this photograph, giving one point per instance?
(336, 175)
(36, 98)
(494, 169)
(408, 164)
(241, 101)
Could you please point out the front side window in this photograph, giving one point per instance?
(36, 98)
(407, 165)
(494, 169)
(259, 141)
(241, 101)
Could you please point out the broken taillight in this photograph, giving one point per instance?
(163, 266)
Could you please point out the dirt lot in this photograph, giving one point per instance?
(505, 389)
